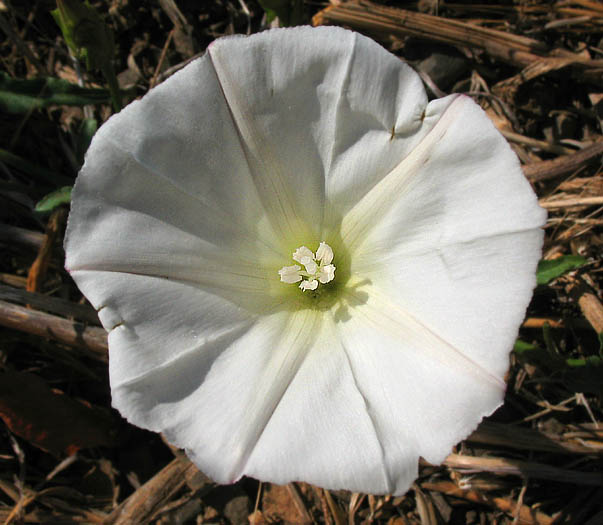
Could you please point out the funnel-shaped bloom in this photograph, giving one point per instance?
(307, 271)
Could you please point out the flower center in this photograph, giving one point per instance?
(317, 268)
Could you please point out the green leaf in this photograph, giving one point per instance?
(83, 137)
(89, 39)
(522, 347)
(549, 270)
(534, 354)
(289, 12)
(583, 374)
(54, 199)
(592, 360)
(21, 96)
(85, 33)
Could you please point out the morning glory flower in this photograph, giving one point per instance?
(307, 271)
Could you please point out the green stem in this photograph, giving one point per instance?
(109, 74)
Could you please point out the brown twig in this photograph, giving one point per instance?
(540, 322)
(526, 516)
(572, 203)
(588, 302)
(38, 269)
(549, 169)
(384, 22)
(519, 438)
(299, 503)
(91, 339)
(53, 305)
(162, 58)
(525, 469)
(14, 234)
(535, 143)
(183, 31)
(336, 512)
(15, 281)
(507, 88)
(425, 508)
(324, 505)
(142, 505)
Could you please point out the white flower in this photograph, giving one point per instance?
(195, 201)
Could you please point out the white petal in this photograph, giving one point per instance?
(302, 253)
(322, 430)
(324, 254)
(318, 120)
(423, 394)
(216, 399)
(153, 321)
(459, 244)
(139, 205)
(375, 123)
(178, 149)
(474, 295)
(461, 182)
(293, 412)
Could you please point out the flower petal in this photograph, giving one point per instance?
(179, 163)
(459, 245)
(131, 214)
(322, 430)
(462, 169)
(216, 399)
(153, 321)
(325, 99)
(474, 294)
(423, 394)
(293, 412)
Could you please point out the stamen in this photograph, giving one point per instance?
(324, 253)
(301, 253)
(290, 274)
(317, 268)
(309, 285)
(326, 274)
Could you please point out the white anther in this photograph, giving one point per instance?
(309, 285)
(324, 253)
(301, 253)
(326, 274)
(310, 264)
(290, 274)
(317, 268)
